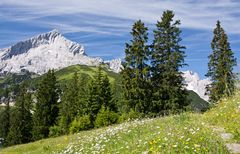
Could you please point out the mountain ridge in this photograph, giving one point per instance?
(52, 50)
(46, 51)
(44, 38)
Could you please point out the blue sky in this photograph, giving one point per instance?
(103, 26)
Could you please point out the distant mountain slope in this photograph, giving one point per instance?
(197, 103)
(195, 84)
(47, 51)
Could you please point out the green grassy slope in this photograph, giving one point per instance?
(66, 74)
(63, 75)
(184, 133)
(172, 134)
(227, 116)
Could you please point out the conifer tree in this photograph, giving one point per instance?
(83, 94)
(21, 118)
(167, 58)
(5, 116)
(136, 70)
(107, 95)
(93, 105)
(72, 102)
(220, 66)
(99, 94)
(94, 97)
(47, 105)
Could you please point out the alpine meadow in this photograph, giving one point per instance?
(133, 92)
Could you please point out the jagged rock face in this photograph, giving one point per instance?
(115, 65)
(43, 52)
(194, 83)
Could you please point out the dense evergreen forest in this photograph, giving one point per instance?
(151, 85)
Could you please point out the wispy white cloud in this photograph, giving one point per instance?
(199, 14)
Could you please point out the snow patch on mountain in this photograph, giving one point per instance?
(195, 84)
(46, 51)
(114, 65)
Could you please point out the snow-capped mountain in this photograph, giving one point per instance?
(195, 84)
(115, 65)
(53, 51)
(46, 51)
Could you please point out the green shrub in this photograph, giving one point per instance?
(55, 131)
(105, 117)
(81, 123)
(64, 124)
(131, 115)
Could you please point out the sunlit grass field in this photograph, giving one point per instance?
(184, 133)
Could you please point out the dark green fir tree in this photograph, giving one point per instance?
(73, 101)
(107, 95)
(47, 105)
(21, 118)
(167, 58)
(99, 94)
(94, 99)
(136, 74)
(5, 116)
(220, 66)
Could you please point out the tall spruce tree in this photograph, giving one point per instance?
(99, 94)
(107, 95)
(136, 70)
(21, 118)
(167, 58)
(5, 116)
(93, 103)
(83, 93)
(72, 104)
(220, 66)
(47, 105)
(94, 98)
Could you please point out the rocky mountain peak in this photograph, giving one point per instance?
(195, 84)
(49, 50)
(53, 37)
